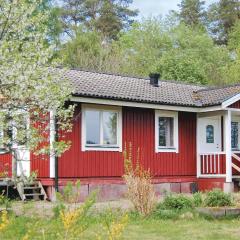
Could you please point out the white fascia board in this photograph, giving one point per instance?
(144, 105)
(231, 100)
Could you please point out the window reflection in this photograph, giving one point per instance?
(210, 134)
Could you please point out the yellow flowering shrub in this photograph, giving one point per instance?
(4, 220)
(114, 223)
(69, 218)
(116, 229)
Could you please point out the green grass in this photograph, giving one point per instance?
(147, 229)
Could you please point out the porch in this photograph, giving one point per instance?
(218, 146)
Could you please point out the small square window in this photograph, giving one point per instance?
(101, 128)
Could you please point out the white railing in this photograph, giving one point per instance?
(237, 158)
(212, 165)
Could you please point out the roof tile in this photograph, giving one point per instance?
(110, 86)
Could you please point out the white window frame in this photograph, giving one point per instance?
(174, 115)
(115, 148)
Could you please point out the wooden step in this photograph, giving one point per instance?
(33, 194)
(31, 188)
(31, 184)
(34, 190)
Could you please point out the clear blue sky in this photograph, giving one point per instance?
(158, 7)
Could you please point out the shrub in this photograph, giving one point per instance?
(176, 202)
(197, 199)
(217, 198)
(139, 183)
(113, 223)
(4, 220)
(160, 213)
(4, 201)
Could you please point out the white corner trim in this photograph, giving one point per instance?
(228, 147)
(231, 100)
(159, 113)
(118, 110)
(51, 141)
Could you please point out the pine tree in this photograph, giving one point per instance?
(221, 17)
(108, 17)
(192, 12)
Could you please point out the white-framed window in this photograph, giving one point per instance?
(101, 128)
(235, 133)
(166, 131)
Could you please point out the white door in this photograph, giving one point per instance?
(23, 163)
(209, 134)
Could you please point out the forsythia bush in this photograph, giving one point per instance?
(116, 228)
(139, 183)
(4, 220)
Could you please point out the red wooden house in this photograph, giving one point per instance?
(188, 135)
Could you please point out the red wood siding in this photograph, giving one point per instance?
(138, 128)
(41, 163)
(6, 164)
(235, 105)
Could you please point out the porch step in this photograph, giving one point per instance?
(28, 188)
(33, 194)
(31, 191)
(31, 184)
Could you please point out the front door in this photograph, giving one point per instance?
(209, 134)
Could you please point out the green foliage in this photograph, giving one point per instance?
(33, 85)
(234, 37)
(160, 213)
(192, 12)
(106, 17)
(71, 194)
(176, 202)
(5, 201)
(217, 198)
(87, 51)
(153, 46)
(222, 16)
(197, 199)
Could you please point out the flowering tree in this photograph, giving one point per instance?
(30, 85)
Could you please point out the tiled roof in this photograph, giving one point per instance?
(215, 96)
(125, 88)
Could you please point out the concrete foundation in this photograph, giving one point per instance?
(228, 187)
(109, 192)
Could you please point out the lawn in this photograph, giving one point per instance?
(175, 217)
(197, 228)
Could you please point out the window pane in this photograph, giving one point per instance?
(166, 131)
(92, 119)
(110, 128)
(234, 135)
(209, 134)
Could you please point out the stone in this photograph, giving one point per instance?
(176, 187)
(214, 211)
(186, 187)
(232, 211)
(108, 192)
(162, 188)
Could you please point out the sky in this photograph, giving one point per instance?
(158, 7)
